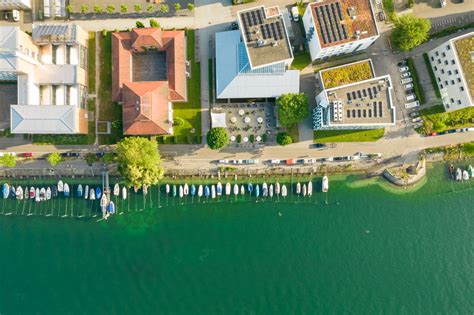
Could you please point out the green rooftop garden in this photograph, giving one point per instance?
(464, 48)
(346, 74)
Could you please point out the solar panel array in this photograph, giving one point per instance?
(269, 30)
(329, 18)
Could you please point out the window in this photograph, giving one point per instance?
(436, 54)
(432, 58)
(435, 68)
(439, 79)
(452, 62)
(461, 88)
(456, 71)
(452, 100)
(443, 54)
(459, 80)
(442, 71)
(446, 83)
(446, 62)
(439, 61)
(448, 47)
(440, 86)
(449, 72)
(452, 82)
(459, 102)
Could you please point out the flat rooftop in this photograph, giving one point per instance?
(342, 21)
(366, 102)
(465, 51)
(265, 37)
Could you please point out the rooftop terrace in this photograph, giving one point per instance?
(465, 51)
(265, 37)
(342, 21)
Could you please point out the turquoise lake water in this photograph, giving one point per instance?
(369, 250)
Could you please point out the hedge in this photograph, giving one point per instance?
(416, 81)
(432, 75)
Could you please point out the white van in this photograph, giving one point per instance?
(295, 14)
(410, 97)
(407, 80)
(412, 105)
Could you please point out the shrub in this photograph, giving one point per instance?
(123, 8)
(410, 3)
(110, 9)
(252, 138)
(137, 8)
(177, 6)
(151, 8)
(70, 9)
(283, 138)
(8, 160)
(178, 122)
(190, 7)
(54, 158)
(416, 81)
(139, 24)
(154, 23)
(108, 157)
(98, 8)
(90, 158)
(264, 137)
(84, 8)
(164, 8)
(239, 138)
(217, 138)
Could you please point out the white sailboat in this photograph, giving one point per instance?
(124, 193)
(298, 188)
(236, 189)
(186, 189)
(325, 185)
(60, 186)
(304, 190)
(277, 188)
(48, 193)
(284, 192)
(116, 189)
(310, 188)
(227, 189)
(200, 191)
(37, 195)
(271, 191)
(86, 192)
(213, 192)
(92, 194)
(167, 189)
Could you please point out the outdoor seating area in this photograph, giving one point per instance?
(249, 123)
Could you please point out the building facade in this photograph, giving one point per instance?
(453, 65)
(338, 27)
(50, 68)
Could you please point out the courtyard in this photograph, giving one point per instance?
(249, 124)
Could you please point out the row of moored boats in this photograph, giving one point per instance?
(263, 190)
(460, 174)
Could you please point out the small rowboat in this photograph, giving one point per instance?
(92, 194)
(79, 191)
(37, 195)
(86, 192)
(219, 189)
(236, 189)
(27, 193)
(227, 189)
(207, 191)
(103, 201)
(242, 190)
(19, 193)
(66, 190)
(174, 191)
(284, 192)
(111, 207)
(193, 190)
(200, 191)
(186, 189)
(271, 190)
(325, 185)
(55, 191)
(13, 192)
(167, 188)
(124, 193)
(42, 194)
(304, 190)
(310, 189)
(48, 193)
(32, 193)
(298, 188)
(98, 193)
(257, 190)
(264, 190)
(6, 190)
(277, 188)
(213, 191)
(116, 190)
(181, 192)
(60, 186)
(250, 188)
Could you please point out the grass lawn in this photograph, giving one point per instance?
(91, 63)
(301, 61)
(367, 135)
(108, 110)
(189, 111)
(294, 133)
(435, 119)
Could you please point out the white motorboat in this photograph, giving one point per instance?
(242, 190)
(167, 188)
(116, 189)
(277, 188)
(236, 189)
(284, 192)
(310, 188)
(458, 174)
(325, 184)
(200, 190)
(92, 194)
(42, 194)
(48, 193)
(219, 189)
(271, 190)
(124, 193)
(213, 191)
(264, 190)
(37, 195)
(66, 189)
(181, 192)
(86, 192)
(304, 190)
(60, 186)
(227, 189)
(19, 193)
(186, 189)
(298, 188)
(103, 201)
(145, 189)
(465, 175)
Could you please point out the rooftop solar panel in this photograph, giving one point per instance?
(320, 21)
(339, 11)
(375, 109)
(380, 109)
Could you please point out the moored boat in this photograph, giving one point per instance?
(98, 193)
(43, 194)
(250, 188)
(304, 190)
(27, 193)
(32, 192)
(19, 193)
(284, 192)
(103, 201)
(175, 190)
(6, 190)
(458, 174)
(181, 192)
(66, 190)
(298, 188)
(54, 191)
(219, 189)
(236, 189)
(116, 189)
(465, 175)
(91, 194)
(48, 193)
(13, 192)
(193, 190)
(325, 184)
(145, 189)
(270, 190)
(186, 189)
(200, 191)
(451, 171)
(213, 191)
(60, 186)
(227, 189)
(277, 188)
(257, 190)
(310, 188)
(264, 190)
(124, 192)
(111, 207)
(470, 170)
(79, 190)
(37, 195)
(207, 191)
(242, 190)
(167, 188)
(86, 192)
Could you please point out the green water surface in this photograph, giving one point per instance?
(368, 251)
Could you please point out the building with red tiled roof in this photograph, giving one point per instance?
(336, 27)
(148, 75)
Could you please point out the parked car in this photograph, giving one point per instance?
(328, 159)
(99, 154)
(408, 92)
(70, 154)
(250, 161)
(310, 161)
(412, 104)
(414, 114)
(381, 16)
(290, 161)
(223, 161)
(408, 86)
(295, 14)
(410, 97)
(416, 120)
(402, 63)
(318, 146)
(405, 81)
(27, 154)
(275, 161)
(442, 3)
(235, 162)
(405, 75)
(11, 153)
(403, 69)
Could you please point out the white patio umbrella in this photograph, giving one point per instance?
(260, 120)
(245, 139)
(258, 138)
(241, 112)
(233, 120)
(247, 119)
(232, 138)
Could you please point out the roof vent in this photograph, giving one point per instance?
(352, 12)
(260, 42)
(274, 44)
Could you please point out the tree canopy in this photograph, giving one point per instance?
(284, 138)
(54, 158)
(292, 108)
(8, 160)
(139, 161)
(410, 32)
(217, 138)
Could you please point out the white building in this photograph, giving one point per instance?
(336, 27)
(50, 70)
(364, 104)
(253, 62)
(453, 65)
(15, 5)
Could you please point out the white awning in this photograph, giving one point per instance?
(218, 120)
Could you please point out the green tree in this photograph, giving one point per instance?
(98, 8)
(410, 32)
(70, 9)
(110, 9)
(137, 8)
(190, 7)
(54, 158)
(154, 23)
(292, 108)
(283, 138)
(84, 8)
(139, 24)
(164, 8)
(151, 8)
(217, 138)
(123, 8)
(8, 160)
(177, 6)
(139, 161)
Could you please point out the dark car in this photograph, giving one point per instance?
(100, 154)
(234, 26)
(402, 63)
(319, 146)
(70, 154)
(408, 92)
